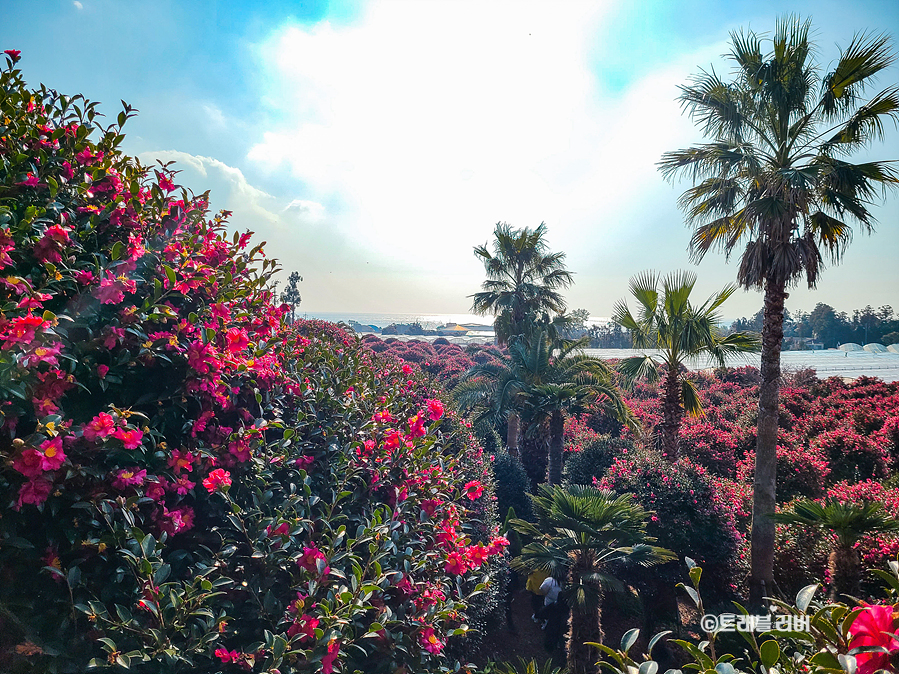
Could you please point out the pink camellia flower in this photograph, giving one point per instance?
(497, 544)
(84, 277)
(330, 657)
(100, 426)
(13, 54)
(417, 427)
(218, 480)
(156, 489)
(236, 340)
(304, 626)
(45, 353)
(131, 437)
(165, 184)
(309, 560)
(304, 462)
(29, 463)
(112, 289)
(429, 641)
(407, 369)
(129, 477)
(430, 506)
(874, 627)
(282, 529)
(34, 492)
(22, 330)
(240, 449)
(102, 370)
(473, 490)
(181, 460)
(227, 656)
(7, 243)
(52, 456)
(456, 563)
(30, 181)
(67, 171)
(177, 520)
(35, 301)
(435, 409)
(477, 555)
(182, 485)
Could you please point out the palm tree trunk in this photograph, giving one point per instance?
(761, 576)
(844, 564)
(513, 431)
(673, 413)
(586, 623)
(556, 438)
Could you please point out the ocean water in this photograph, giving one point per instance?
(429, 321)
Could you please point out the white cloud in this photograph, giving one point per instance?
(423, 124)
(78, 5)
(430, 122)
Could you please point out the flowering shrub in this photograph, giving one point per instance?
(188, 483)
(689, 517)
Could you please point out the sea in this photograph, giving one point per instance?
(429, 321)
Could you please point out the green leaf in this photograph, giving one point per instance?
(629, 639)
(695, 575)
(848, 663)
(648, 667)
(769, 652)
(170, 274)
(804, 597)
(826, 660)
(116, 251)
(724, 668)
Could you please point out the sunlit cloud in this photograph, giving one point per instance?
(430, 124)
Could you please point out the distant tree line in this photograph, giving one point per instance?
(828, 327)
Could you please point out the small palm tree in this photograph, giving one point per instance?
(775, 180)
(538, 384)
(579, 533)
(850, 523)
(668, 322)
(523, 280)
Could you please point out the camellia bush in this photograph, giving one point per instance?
(188, 483)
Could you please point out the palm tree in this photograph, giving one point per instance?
(539, 382)
(523, 279)
(579, 533)
(775, 176)
(850, 523)
(668, 322)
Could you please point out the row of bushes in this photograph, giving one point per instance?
(189, 483)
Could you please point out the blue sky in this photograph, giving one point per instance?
(374, 144)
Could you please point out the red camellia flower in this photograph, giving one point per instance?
(456, 563)
(34, 492)
(179, 461)
(29, 463)
(227, 656)
(477, 555)
(309, 560)
(22, 330)
(13, 54)
(100, 426)
(874, 627)
(218, 479)
(473, 490)
(435, 409)
(407, 369)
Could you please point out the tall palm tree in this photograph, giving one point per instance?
(850, 523)
(776, 179)
(539, 382)
(668, 322)
(523, 279)
(579, 533)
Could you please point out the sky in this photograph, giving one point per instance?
(374, 144)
